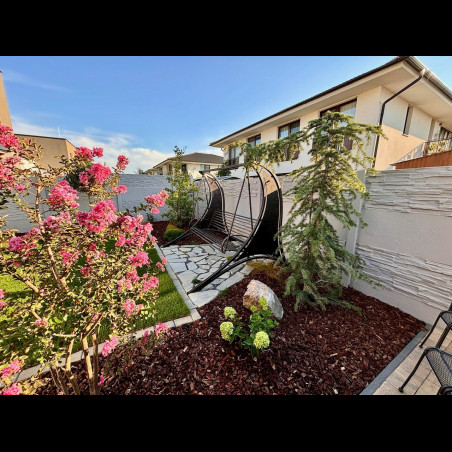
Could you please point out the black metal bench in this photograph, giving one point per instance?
(239, 228)
(253, 237)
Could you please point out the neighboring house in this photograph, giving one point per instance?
(421, 113)
(192, 163)
(52, 147)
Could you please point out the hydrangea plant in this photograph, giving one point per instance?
(255, 337)
(85, 269)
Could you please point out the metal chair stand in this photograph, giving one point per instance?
(441, 364)
(446, 317)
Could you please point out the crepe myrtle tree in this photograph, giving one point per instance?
(322, 191)
(82, 268)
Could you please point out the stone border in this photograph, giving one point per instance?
(392, 366)
(77, 356)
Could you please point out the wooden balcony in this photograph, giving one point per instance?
(434, 153)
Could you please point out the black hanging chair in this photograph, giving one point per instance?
(250, 238)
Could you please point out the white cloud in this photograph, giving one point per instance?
(22, 79)
(113, 144)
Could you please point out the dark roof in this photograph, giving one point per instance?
(197, 157)
(415, 63)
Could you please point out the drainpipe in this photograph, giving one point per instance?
(380, 122)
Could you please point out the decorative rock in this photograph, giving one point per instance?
(257, 290)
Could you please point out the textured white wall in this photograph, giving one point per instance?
(407, 243)
(138, 186)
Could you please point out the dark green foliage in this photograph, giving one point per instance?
(171, 234)
(322, 191)
(224, 172)
(195, 281)
(181, 194)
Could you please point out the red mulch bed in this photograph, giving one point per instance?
(336, 351)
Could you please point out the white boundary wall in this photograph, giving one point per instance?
(407, 244)
(138, 186)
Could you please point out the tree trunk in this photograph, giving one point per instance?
(89, 368)
(96, 361)
(68, 370)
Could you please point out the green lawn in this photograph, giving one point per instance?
(169, 305)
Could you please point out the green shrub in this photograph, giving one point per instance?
(172, 233)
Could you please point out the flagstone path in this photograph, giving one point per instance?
(197, 262)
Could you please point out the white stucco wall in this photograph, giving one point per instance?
(138, 186)
(407, 242)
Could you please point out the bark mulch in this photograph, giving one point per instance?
(336, 351)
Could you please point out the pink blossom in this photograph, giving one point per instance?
(155, 210)
(160, 266)
(160, 329)
(41, 323)
(86, 271)
(16, 244)
(130, 307)
(7, 138)
(121, 240)
(164, 194)
(53, 223)
(83, 177)
(164, 260)
(119, 189)
(12, 369)
(140, 259)
(20, 187)
(14, 389)
(99, 172)
(109, 346)
(63, 196)
(98, 152)
(151, 283)
(84, 152)
(3, 304)
(102, 215)
(124, 283)
(101, 380)
(2, 293)
(133, 276)
(122, 162)
(156, 200)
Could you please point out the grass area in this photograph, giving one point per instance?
(169, 304)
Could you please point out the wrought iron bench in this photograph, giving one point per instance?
(446, 317)
(441, 364)
(236, 228)
(253, 237)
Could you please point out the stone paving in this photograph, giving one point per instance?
(197, 262)
(424, 381)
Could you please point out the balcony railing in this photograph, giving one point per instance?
(435, 147)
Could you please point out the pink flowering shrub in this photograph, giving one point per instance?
(84, 269)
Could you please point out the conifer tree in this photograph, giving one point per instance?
(322, 191)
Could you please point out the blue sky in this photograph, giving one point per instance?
(143, 106)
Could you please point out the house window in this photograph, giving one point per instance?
(170, 169)
(160, 171)
(409, 114)
(204, 167)
(233, 152)
(285, 131)
(348, 108)
(184, 167)
(444, 134)
(255, 140)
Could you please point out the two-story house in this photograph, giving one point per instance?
(192, 163)
(406, 98)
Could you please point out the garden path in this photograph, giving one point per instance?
(197, 262)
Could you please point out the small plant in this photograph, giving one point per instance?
(267, 268)
(195, 281)
(256, 337)
(172, 232)
(223, 292)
